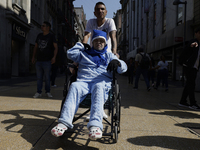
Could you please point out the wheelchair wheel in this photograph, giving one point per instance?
(117, 112)
(115, 134)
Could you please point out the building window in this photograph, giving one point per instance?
(164, 17)
(179, 14)
(19, 2)
(154, 20)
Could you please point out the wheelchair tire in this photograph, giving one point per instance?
(117, 113)
(115, 133)
(119, 106)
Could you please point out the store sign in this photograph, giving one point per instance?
(178, 39)
(19, 32)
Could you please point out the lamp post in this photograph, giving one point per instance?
(177, 2)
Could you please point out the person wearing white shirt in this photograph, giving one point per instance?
(162, 72)
(104, 24)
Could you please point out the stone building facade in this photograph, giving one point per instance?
(158, 26)
(21, 23)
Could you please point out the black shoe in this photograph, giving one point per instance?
(184, 104)
(166, 90)
(194, 107)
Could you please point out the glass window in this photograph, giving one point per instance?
(19, 2)
(180, 14)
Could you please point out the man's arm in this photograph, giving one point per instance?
(86, 37)
(113, 41)
(34, 52)
(53, 60)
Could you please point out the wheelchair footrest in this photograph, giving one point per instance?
(107, 134)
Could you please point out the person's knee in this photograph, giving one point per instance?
(97, 86)
(74, 85)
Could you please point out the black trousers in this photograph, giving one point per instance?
(189, 89)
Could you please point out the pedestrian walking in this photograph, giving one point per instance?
(190, 59)
(44, 52)
(60, 61)
(162, 73)
(142, 64)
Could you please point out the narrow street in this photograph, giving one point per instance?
(149, 120)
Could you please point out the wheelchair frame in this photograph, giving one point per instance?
(113, 103)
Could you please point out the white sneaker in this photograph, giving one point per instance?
(104, 116)
(37, 95)
(49, 95)
(95, 133)
(54, 86)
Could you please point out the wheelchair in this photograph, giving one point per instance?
(113, 103)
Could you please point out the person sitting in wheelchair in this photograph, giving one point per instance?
(94, 76)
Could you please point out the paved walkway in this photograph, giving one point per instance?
(149, 120)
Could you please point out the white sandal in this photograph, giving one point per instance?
(95, 133)
(58, 130)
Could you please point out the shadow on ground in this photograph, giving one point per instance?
(167, 142)
(34, 126)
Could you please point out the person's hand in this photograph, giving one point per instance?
(113, 65)
(53, 60)
(115, 53)
(86, 46)
(195, 44)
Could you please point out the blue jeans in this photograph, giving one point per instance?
(144, 72)
(43, 68)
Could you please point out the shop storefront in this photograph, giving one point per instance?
(19, 34)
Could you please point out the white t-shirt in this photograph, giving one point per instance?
(163, 65)
(108, 26)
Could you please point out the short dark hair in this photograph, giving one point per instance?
(47, 24)
(99, 3)
(197, 29)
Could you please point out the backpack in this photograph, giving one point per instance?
(144, 63)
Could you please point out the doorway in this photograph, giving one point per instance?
(15, 58)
